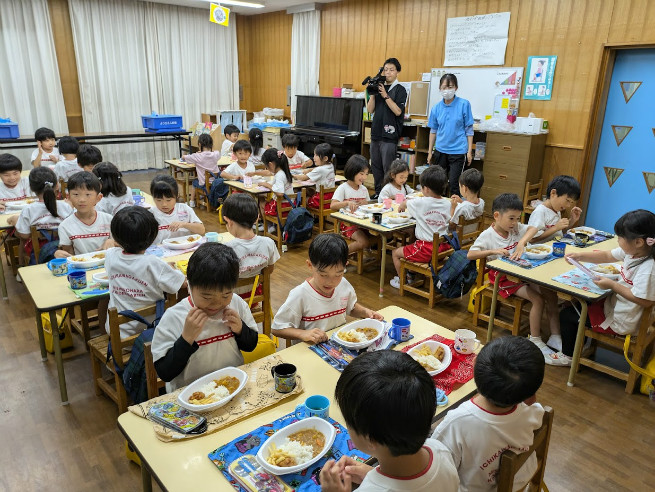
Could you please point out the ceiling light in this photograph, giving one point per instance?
(239, 3)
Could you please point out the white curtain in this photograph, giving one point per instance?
(30, 91)
(305, 55)
(137, 57)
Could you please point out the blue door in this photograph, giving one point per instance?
(626, 152)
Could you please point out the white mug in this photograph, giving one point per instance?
(465, 341)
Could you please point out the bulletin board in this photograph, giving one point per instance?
(480, 86)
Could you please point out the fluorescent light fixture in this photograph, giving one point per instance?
(239, 3)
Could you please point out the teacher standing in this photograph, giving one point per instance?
(451, 132)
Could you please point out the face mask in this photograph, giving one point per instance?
(448, 94)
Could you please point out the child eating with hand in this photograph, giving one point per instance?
(472, 207)
(242, 167)
(175, 219)
(13, 187)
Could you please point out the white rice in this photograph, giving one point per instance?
(211, 389)
(429, 360)
(301, 453)
(355, 334)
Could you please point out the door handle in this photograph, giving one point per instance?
(507, 147)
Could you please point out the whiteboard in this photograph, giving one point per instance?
(480, 86)
(476, 40)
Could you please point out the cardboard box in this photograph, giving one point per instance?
(367, 134)
(207, 117)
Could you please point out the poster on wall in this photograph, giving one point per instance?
(540, 75)
(476, 40)
(219, 15)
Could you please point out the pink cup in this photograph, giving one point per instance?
(387, 203)
(400, 198)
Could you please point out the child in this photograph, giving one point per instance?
(432, 213)
(237, 170)
(275, 161)
(46, 152)
(116, 195)
(503, 415)
(546, 221)
(205, 160)
(324, 300)
(175, 219)
(86, 230)
(231, 133)
(374, 393)
(352, 194)
(296, 158)
(207, 330)
(500, 239)
(88, 156)
(321, 175)
(13, 187)
(67, 166)
(395, 182)
(256, 138)
(470, 184)
(634, 291)
(137, 280)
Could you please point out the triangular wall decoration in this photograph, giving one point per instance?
(629, 89)
(650, 181)
(612, 174)
(511, 80)
(620, 132)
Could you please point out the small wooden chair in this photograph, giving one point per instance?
(283, 208)
(154, 384)
(261, 303)
(532, 192)
(62, 188)
(438, 261)
(511, 463)
(35, 236)
(467, 239)
(202, 194)
(322, 212)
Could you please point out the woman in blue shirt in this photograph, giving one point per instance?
(451, 132)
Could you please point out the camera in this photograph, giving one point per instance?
(372, 83)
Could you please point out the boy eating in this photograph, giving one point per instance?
(323, 301)
(237, 170)
(88, 156)
(470, 184)
(65, 168)
(231, 133)
(295, 157)
(13, 187)
(46, 152)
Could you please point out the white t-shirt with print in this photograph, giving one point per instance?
(306, 308)
(217, 345)
(137, 281)
(491, 239)
(440, 475)
(543, 218)
(476, 438)
(345, 192)
(621, 315)
(281, 184)
(469, 211)
(236, 170)
(389, 190)
(298, 158)
(226, 148)
(431, 214)
(112, 203)
(181, 213)
(256, 159)
(38, 215)
(85, 238)
(254, 255)
(65, 169)
(322, 176)
(19, 192)
(45, 156)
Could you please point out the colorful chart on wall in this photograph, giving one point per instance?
(629, 89)
(620, 132)
(650, 181)
(612, 174)
(539, 83)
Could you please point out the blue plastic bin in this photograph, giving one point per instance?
(8, 129)
(161, 121)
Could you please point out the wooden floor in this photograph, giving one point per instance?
(602, 440)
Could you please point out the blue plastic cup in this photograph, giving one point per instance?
(212, 237)
(314, 406)
(77, 279)
(559, 249)
(58, 266)
(400, 329)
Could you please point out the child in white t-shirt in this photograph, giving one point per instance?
(231, 133)
(296, 158)
(116, 195)
(67, 166)
(207, 330)
(387, 401)
(503, 415)
(13, 187)
(88, 156)
(241, 167)
(256, 139)
(46, 153)
(324, 300)
(472, 207)
(395, 182)
(322, 175)
(352, 194)
(275, 162)
(175, 219)
(137, 280)
(432, 213)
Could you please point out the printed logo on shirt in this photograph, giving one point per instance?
(390, 129)
(441, 220)
(344, 301)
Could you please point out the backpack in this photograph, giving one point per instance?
(299, 225)
(218, 191)
(48, 246)
(458, 273)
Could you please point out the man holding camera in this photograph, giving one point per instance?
(388, 106)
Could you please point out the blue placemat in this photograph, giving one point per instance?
(593, 240)
(251, 442)
(575, 278)
(533, 263)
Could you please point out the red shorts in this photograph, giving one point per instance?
(421, 251)
(271, 209)
(505, 286)
(596, 313)
(347, 230)
(315, 200)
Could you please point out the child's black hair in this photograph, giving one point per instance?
(505, 202)
(44, 133)
(163, 186)
(43, 182)
(324, 150)
(134, 228)
(389, 398)
(256, 138)
(9, 162)
(241, 208)
(68, 145)
(637, 224)
(397, 166)
(434, 178)
(84, 180)
(472, 179)
(394, 62)
(563, 185)
(110, 178)
(88, 155)
(449, 78)
(509, 370)
(242, 145)
(290, 140)
(230, 129)
(355, 164)
(213, 266)
(328, 250)
(279, 159)
(205, 141)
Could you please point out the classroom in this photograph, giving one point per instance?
(334, 245)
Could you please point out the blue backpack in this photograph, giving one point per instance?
(458, 274)
(299, 225)
(218, 191)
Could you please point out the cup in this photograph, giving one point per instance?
(376, 218)
(212, 237)
(247, 181)
(559, 249)
(400, 329)
(77, 279)
(442, 398)
(388, 203)
(136, 191)
(465, 341)
(284, 376)
(138, 199)
(58, 266)
(314, 406)
(400, 198)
